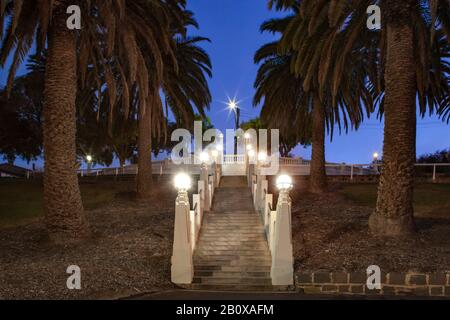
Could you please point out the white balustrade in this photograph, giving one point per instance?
(278, 227)
(187, 228)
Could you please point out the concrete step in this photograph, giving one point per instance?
(232, 274)
(219, 257)
(251, 248)
(239, 252)
(227, 242)
(249, 227)
(220, 268)
(235, 281)
(230, 263)
(232, 287)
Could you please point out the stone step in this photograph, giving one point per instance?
(237, 239)
(232, 234)
(238, 287)
(229, 263)
(239, 252)
(235, 257)
(253, 248)
(220, 268)
(225, 243)
(249, 227)
(228, 242)
(232, 274)
(231, 215)
(236, 281)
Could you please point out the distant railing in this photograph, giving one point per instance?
(233, 159)
(292, 166)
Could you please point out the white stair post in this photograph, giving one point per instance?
(204, 177)
(282, 271)
(182, 271)
(251, 171)
(261, 185)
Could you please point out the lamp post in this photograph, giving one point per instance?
(282, 271)
(232, 105)
(182, 269)
(375, 160)
(89, 163)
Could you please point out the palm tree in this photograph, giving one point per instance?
(405, 62)
(184, 87)
(109, 38)
(293, 78)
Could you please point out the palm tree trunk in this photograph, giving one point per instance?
(144, 177)
(318, 177)
(394, 210)
(64, 217)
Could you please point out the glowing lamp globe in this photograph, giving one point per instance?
(249, 147)
(204, 157)
(284, 183)
(251, 153)
(182, 182)
(89, 158)
(262, 157)
(247, 136)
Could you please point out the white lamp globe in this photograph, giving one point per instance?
(251, 153)
(247, 136)
(89, 158)
(262, 156)
(249, 147)
(284, 182)
(204, 157)
(182, 182)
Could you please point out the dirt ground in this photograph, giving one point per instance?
(330, 233)
(129, 253)
(131, 247)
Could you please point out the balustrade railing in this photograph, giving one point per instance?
(188, 223)
(292, 166)
(277, 227)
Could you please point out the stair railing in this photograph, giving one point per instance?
(188, 224)
(277, 227)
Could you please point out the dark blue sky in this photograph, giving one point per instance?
(233, 27)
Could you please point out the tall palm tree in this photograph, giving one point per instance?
(110, 37)
(184, 87)
(406, 63)
(293, 78)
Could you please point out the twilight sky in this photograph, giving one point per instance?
(233, 27)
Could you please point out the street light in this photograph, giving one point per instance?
(182, 182)
(204, 157)
(262, 157)
(375, 156)
(89, 158)
(232, 105)
(284, 183)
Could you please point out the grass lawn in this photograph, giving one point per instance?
(430, 200)
(21, 201)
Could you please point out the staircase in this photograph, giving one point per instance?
(232, 252)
